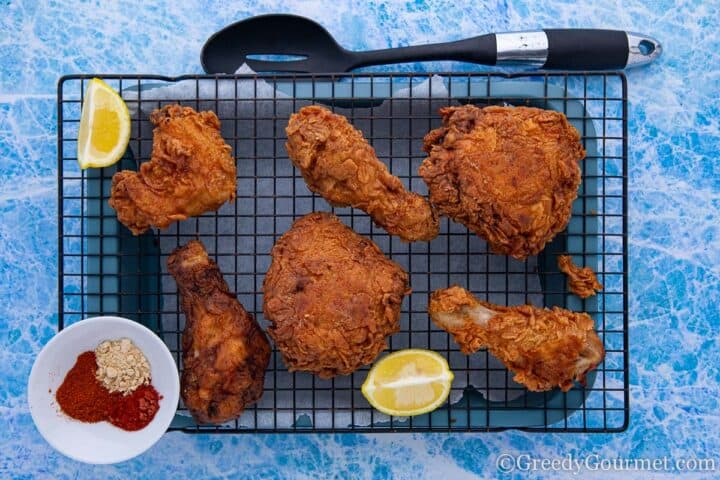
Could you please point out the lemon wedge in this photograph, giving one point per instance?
(104, 126)
(408, 382)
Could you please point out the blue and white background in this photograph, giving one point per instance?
(674, 228)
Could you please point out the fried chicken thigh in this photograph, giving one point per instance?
(340, 165)
(544, 348)
(225, 353)
(332, 296)
(191, 171)
(509, 174)
(582, 281)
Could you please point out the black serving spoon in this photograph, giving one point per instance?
(313, 50)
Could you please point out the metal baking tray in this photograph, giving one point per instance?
(104, 270)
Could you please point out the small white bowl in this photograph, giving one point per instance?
(99, 443)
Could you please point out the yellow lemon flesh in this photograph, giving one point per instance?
(104, 126)
(408, 382)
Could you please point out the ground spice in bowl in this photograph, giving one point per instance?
(122, 367)
(133, 412)
(81, 395)
(84, 397)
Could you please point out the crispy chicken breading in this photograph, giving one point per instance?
(191, 171)
(509, 174)
(340, 165)
(582, 281)
(225, 353)
(332, 296)
(544, 348)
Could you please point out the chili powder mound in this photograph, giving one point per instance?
(81, 395)
(136, 410)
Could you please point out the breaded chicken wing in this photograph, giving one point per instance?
(332, 296)
(225, 353)
(509, 174)
(544, 348)
(582, 281)
(191, 171)
(340, 165)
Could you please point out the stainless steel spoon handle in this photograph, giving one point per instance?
(576, 49)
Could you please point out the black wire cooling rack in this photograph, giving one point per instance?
(104, 270)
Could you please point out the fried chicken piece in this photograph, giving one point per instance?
(190, 172)
(544, 348)
(582, 281)
(225, 353)
(332, 297)
(509, 174)
(340, 165)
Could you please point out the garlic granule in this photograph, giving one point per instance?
(122, 367)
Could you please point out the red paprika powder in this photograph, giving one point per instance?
(82, 397)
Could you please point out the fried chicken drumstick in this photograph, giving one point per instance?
(332, 296)
(340, 165)
(509, 174)
(225, 353)
(543, 348)
(190, 172)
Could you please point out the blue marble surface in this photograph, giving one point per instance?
(674, 227)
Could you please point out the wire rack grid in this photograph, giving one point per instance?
(104, 270)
